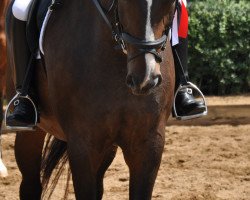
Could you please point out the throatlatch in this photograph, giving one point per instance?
(184, 85)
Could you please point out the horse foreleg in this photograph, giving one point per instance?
(28, 152)
(108, 158)
(143, 161)
(81, 161)
(88, 166)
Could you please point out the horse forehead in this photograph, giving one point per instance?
(151, 2)
(152, 6)
(143, 6)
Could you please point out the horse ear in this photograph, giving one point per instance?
(107, 4)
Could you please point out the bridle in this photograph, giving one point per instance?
(121, 37)
(151, 47)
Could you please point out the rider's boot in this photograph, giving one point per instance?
(186, 104)
(23, 114)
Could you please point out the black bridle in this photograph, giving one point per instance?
(143, 46)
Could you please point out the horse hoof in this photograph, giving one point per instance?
(3, 169)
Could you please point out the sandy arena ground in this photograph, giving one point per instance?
(198, 163)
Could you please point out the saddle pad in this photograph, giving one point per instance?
(36, 24)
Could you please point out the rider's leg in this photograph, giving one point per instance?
(185, 101)
(186, 104)
(23, 114)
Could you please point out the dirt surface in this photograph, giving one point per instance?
(198, 163)
(234, 110)
(229, 100)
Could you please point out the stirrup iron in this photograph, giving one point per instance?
(194, 87)
(7, 112)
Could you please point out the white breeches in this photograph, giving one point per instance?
(20, 9)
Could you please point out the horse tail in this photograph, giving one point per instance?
(54, 163)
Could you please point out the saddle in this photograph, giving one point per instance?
(35, 20)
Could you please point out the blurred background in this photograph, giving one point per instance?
(219, 47)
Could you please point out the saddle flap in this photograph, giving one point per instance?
(31, 27)
(35, 19)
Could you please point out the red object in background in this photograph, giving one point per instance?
(183, 27)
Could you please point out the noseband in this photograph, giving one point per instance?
(143, 46)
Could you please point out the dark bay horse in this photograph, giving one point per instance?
(3, 56)
(3, 5)
(94, 98)
(3, 62)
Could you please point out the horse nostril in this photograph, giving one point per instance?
(159, 77)
(130, 81)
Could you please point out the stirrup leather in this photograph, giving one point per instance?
(194, 87)
(7, 112)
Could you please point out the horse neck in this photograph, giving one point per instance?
(88, 18)
(90, 31)
(78, 41)
(3, 5)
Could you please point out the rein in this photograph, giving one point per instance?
(144, 46)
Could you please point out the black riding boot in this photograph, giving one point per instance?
(186, 105)
(23, 114)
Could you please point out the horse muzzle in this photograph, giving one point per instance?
(143, 87)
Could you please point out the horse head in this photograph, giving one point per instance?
(144, 26)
